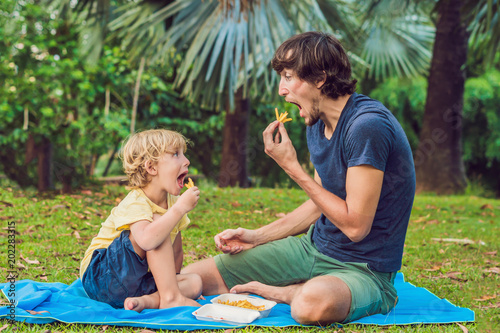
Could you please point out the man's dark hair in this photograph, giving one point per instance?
(313, 54)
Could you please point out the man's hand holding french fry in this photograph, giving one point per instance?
(279, 147)
(233, 241)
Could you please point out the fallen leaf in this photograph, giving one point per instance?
(6, 204)
(77, 235)
(105, 327)
(29, 261)
(56, 207)
(20, 265)
(37, 312)
(485, 298)
(433, 269)
(146, 331)
(495, 270)
(43, 277)
(257, 211)
(421, 219)
(490, 306)
(492, 253)
(433, 221)
(487, 206)
(458, 240)
(235, 204)
(454, 276)
(87, 192)
(280, 215)
(4, 327)
(464, 329)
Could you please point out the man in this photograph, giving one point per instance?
(359, 207)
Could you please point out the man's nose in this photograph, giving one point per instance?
(283, 91)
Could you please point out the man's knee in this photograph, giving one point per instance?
(316, 305)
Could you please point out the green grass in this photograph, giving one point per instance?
(53, 232)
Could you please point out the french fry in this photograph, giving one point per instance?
(243, 304)
(190, 183)
(282, 117)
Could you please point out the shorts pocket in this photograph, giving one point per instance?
(108, 289)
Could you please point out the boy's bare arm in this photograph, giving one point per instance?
(151, 235)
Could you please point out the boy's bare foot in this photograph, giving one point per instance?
(144, 302)
(170, 303)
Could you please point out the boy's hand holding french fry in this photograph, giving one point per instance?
(189, 199)
(190, 183)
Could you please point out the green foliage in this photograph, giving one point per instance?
(406, 100)
(482, 128)
(481, 120)
(49, 95)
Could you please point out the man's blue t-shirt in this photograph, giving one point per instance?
(366, 133)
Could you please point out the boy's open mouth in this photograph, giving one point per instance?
(180, 179)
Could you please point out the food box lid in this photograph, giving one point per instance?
(226, 314)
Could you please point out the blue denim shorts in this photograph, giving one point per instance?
(118, 272)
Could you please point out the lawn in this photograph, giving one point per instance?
(451, 247)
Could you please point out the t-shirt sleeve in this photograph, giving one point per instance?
(130, 213)
(369, 140)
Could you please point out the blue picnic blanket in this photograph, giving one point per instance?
(42, 303)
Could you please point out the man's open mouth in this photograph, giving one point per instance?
(298, 105)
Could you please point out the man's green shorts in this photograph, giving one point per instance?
(294, 260)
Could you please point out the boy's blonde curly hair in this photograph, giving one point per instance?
(148, 145)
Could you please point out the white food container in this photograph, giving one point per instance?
(233, 314)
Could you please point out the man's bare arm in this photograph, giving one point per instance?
(353, 216)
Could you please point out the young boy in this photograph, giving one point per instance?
(135, 260)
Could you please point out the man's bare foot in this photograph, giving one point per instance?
(144, 302)
(277, 294)
(181, 301)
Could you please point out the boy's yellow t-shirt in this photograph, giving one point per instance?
(135, 207)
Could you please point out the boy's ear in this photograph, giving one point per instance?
(150, 168)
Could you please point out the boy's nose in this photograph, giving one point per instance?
(187, 161)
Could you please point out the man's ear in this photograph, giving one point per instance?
(320, 82)
(150, 168)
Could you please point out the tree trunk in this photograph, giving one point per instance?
(233, 169)
(438, 159)
(44, 169)
(111, 158)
